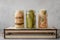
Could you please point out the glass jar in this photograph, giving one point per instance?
(43, 19)
(30, 19)
(19, 19)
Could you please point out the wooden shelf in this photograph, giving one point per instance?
(12, 32)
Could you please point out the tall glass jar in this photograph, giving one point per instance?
(19, 19)
(43, 19)
(30, 19)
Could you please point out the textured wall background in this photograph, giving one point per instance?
(8, 8)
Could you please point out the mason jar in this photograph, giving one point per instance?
(43, 19)
(30, 19)
(19, 19)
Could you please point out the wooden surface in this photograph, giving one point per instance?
(28, 28)
(13, 32)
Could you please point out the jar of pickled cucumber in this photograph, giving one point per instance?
(30, 19)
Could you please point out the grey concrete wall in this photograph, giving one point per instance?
(8, 8)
